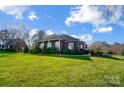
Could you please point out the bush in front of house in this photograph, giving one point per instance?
(35, 51)
(83, 51)
(51, 50)
(54, 50)
(26, 50)
(75, 52)
(66, 51)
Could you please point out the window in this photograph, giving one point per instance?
(49, 44)
(57, 45)
(81, 46)
(41, 45)
(8, 46)
(71, 45)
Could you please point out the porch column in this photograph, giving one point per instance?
(78, 46)
(59, 45)
(48, 44)
(43, 43)
(8, 46)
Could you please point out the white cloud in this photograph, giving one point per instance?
(86, 38)
(75, 36)
(103, 29)
(85, 14)
(32, 16)
(99, 16)
(115, 11)
(64, 32)
(33, 32)
(16, 11)
(95, 15)
(49, 32)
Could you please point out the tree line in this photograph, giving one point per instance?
(102, 48)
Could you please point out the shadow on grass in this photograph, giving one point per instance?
(112, 57)
(78, 57)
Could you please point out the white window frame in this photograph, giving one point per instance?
(71, 45)
(81, 46)
(41, 45)
(49, 44)
(57, 45)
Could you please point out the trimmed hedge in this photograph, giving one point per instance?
(35, 51)
(54, 50)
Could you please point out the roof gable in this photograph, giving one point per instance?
(62, 37)
(69, 38)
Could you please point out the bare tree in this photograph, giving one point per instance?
(37, 37)
(4, 35)
(17, 33)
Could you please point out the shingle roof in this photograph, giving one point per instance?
(51, 37)
(62, 37)
(69, 38)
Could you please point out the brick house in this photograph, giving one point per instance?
(61, 42)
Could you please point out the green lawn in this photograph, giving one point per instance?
(34, 70)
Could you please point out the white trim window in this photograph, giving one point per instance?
(71, 45)
(49, 44)
(41, 45)
(81, 46)
(57, 45)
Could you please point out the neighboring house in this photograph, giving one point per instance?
(62, 42)
(4, 46)
(15, 44)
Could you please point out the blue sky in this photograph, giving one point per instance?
(89, 23)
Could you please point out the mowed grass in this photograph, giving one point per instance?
(67, 71)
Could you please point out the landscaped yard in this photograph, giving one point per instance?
(34, 70)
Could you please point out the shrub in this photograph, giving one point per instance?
(95, 53)
(91, 52)
(44, 50)
(35, 51)
(99, 53)
(26, 50)
(66, 51)
(51, 50)
(83, 51)
(73, 52)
